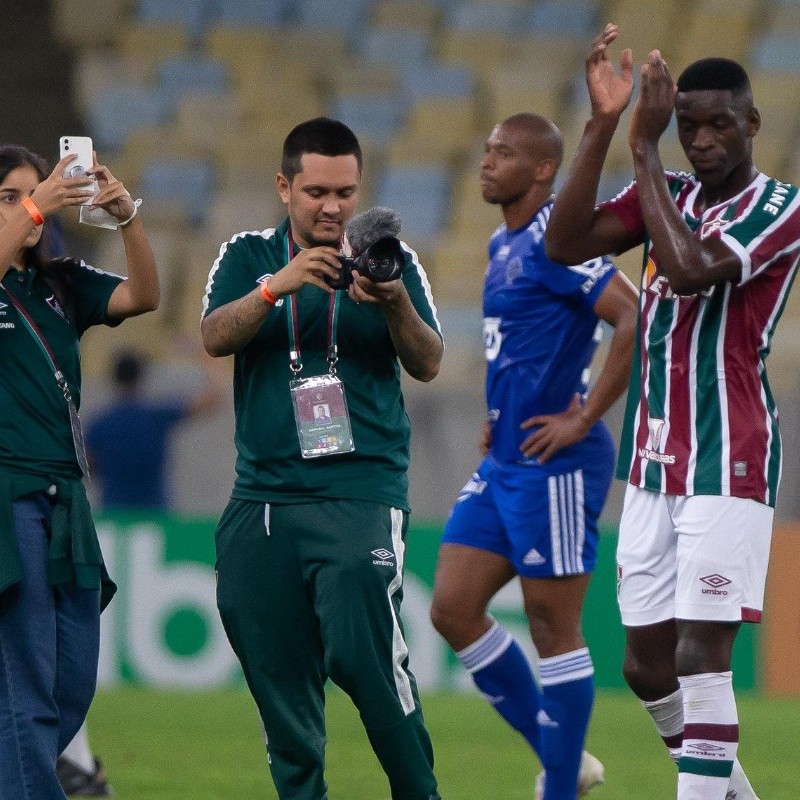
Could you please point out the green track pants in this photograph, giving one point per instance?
(312, 591)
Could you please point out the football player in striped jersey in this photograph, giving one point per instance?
(700, 448)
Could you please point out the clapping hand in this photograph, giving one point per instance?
(609, 92)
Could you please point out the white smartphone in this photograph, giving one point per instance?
(82, 145)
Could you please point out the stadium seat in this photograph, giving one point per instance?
(375, 117)
(202, 120)
(247, 13)
(419, 194)
(291, 55)
(192, 73)
(348, 16)
(249, 159)
(784, 15)
(483, 17)
(561, 18)
(141, 145)
(412, 15)
(481, 52)
(116, 112)
(457, 269)
(393, 46)
(423, 80)
(733, 23)
(776, 52)
(480, 35)
(94, 72)
(87, 23)
(647, 25)
(146, 44)
(548, 61)
(191, 15)
(243, 209)
(472, 217)
(777, 97)
(235, 45)
(449, 123)
(179, 185)
(364, 77)
(514, 89)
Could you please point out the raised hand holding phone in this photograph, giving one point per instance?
(81, 146)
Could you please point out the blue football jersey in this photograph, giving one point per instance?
(540, 331)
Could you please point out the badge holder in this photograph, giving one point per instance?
(320, 407)
(320, 411)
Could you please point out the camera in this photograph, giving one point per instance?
(381, 262)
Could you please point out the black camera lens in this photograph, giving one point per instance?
(383, 261)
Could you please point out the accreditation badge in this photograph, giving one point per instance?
(320, 411)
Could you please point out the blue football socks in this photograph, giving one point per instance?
(567, 699)
(502, 672)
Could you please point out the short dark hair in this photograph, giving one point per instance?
(715, 74)
(322, 135)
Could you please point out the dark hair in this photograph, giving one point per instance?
(13, 156)
(715, 74)
(128, 368)
(327, 137)
(48, 252)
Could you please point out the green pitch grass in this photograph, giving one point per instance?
(208, 746)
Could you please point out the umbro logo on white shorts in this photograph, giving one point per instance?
(533, 558)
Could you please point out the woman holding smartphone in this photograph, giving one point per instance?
(53, 583)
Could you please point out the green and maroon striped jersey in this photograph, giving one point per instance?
(700, 416)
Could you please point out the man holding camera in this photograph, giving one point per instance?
(310, 548)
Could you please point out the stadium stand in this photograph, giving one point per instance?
(422, 82)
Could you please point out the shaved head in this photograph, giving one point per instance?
(521, 158)
(544, 139)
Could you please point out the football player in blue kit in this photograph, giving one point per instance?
(531, 508)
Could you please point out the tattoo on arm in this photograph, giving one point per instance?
(230, 328)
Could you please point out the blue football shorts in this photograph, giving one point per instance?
(542, 518)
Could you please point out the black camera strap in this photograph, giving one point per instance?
(74, 420)
(295, 359)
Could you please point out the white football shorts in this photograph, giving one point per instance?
(698, 558)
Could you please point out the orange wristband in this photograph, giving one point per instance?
(267, 294)
(33, 210)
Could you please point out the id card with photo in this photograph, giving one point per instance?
(320, 411)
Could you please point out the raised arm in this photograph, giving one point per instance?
(690, 263)
(231, 327)
(576, 231)
(140, 292)
(617, 305)
(50, 195)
